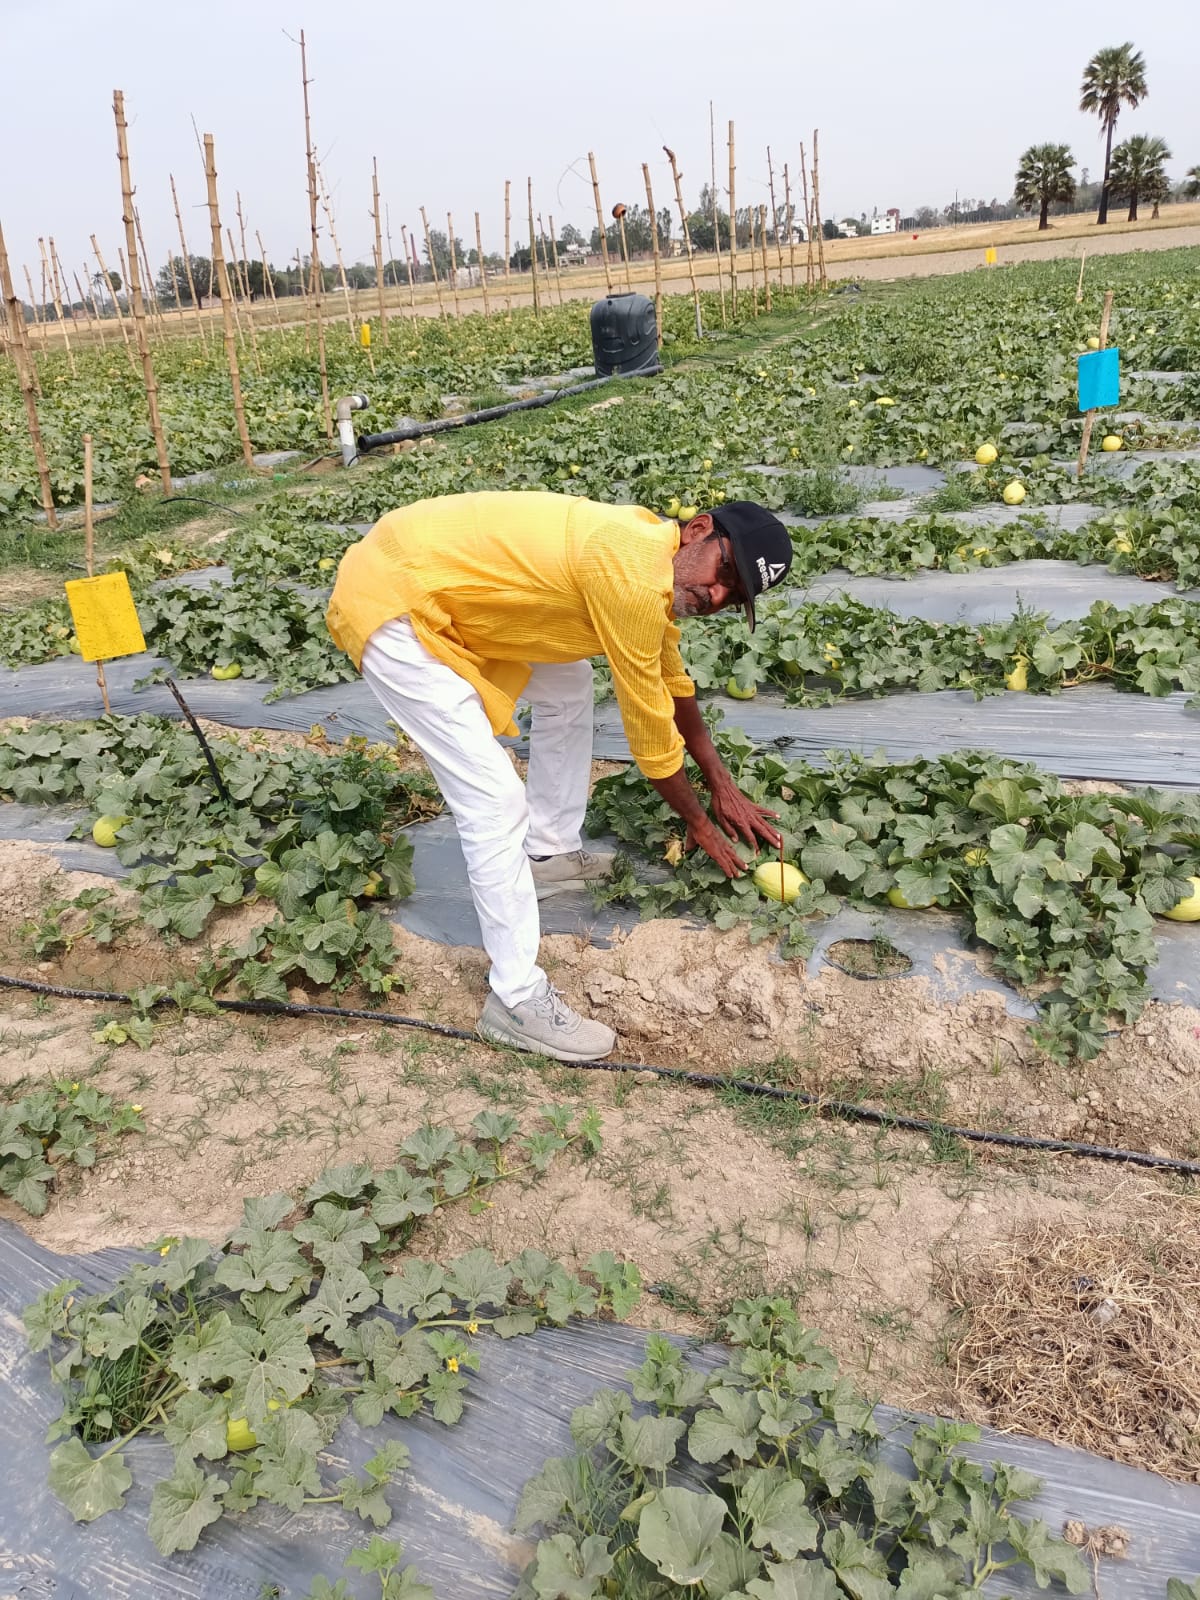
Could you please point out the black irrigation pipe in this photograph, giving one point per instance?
(845, 1110)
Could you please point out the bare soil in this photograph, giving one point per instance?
(714, 1197)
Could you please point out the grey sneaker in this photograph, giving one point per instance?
(570, 871)
(547, 1026)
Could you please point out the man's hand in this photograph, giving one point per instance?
(741, 818)
(703, 835)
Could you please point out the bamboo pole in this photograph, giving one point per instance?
(89, 551)
(753, 267)
(112, 294)
(453, 263)
(789, 212)
(507, 250)
(315, 257)
(88, 310)
(437, 284)
(487, 310)
(23, 359)
(135, 294)
(327, 205)
(59, 274)
(242, 287)
(808, 227)
(58, 309)
(90, 289)
(762, 234)
(236, 284)
(244, 268)
(820, 232)
(537, 310)
(687, 238)
(387, 230)
(187, 266)
(541, 229)
(600, 223)
(619, 213)
(268, 279)
(716, 210)
(1079, 285)
(554, 256)
(383, 327)
(175, 292)
(1090, 417)
(301, 280)
(657, 262)
(733, 240)
(226, 293)
(408, 267)
(774, 215)
(155, 308)
(37, 310)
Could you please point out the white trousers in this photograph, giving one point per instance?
(501, 821)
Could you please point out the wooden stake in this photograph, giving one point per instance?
(175, 291)
(87, 310)
(412, 296)
(600, 223)
(155, 310)
(135, 295)
(487, 310)
(753, 267)
(545, 254)
(315, 254)
(625, 249)
(237, 290)
(554, 255)
(383, 327)
(762, 234)
(242, 282)
(90, 290)
(23, 359)
(453, 263)
(507, 251)
(657, 263)
(687, 238)
(187, 266)
(89, 550)
(244, 268)
(59, 273)
(537, 310)
(226, 293)
(300, 278)
(268, 279)
(387, 231)
(433, 264)
(817, 228)
(789, 212)
(774, 216)
(808, 228)
(112, 295)
(733, 242)
(58, 308)
(1079, 285)
(337, 251)
(37, 310)
(1090, 417)
(716, 209)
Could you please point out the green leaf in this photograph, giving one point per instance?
(567, 1570)
(677, 1533)
(778, 1509)
(270, 1260)
(181, 1507)
(338, 1236)
(477, 1279)
(346, 1182)
(343, 1294)
(729, 1429)
(261, 1212)
(1051, 1559)
(399, 1196)
(274, 1364)
(88, 1486)
(417, 1291)
(197, 1427)
(796, 1580)
(648, 1442)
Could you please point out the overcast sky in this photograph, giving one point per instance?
(914, 101)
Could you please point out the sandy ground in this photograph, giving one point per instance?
(713, 1198)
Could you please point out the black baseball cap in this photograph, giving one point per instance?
(761, 545)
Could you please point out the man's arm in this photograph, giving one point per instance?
(737, 816)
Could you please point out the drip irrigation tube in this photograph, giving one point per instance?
(419, 430)
(844, 1110)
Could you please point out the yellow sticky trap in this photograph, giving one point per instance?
(105, 617)
(989, 255)
(365, 335)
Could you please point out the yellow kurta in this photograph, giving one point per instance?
(492, 583)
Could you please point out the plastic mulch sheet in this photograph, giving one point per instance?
(454, 1510)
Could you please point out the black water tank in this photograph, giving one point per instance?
(624, 336)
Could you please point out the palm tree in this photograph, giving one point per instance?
(1112, 78)
(1137, 170)
(1044, 179)
(1191, 184)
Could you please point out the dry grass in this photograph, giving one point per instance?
(1091, 1338)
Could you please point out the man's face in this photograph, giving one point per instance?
(706, 579)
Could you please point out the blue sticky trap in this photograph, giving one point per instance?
(1099, 379)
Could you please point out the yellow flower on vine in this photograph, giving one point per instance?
(451, 1363)
(472, 1327)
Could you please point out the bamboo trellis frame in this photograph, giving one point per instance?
(226, 294)
(537, 310)
(453, 263)
(483, 284)
(112, 294)
(554, 257)
(268, 279)
(507, 249)
(327, 204)
(433, 264)
(716, 210)
(57, 303)
(383, 327)
(600, 223)
(774, 215)
(135, 294)
(687, 236)
(26, 377)
(315, 254)
(657, 262)
(818, 229)
(187, 265)
(791, 224)
(733, 240)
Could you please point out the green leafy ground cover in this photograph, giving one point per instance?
(44, 1129)
(316, 835)
(1060, 889)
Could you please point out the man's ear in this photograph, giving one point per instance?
(698, 528)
